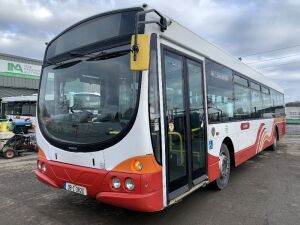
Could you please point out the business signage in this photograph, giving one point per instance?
(16, 69)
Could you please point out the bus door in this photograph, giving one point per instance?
(184, 121)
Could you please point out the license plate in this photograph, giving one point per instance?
(75, 188)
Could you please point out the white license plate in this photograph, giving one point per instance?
(75, 188)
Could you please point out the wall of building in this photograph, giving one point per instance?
(292, 112)
(18, 75)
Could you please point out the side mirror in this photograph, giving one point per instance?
(140, 52)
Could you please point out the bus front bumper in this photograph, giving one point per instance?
(146, 197)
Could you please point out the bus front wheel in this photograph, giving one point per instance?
(274, 146)
(224, 166)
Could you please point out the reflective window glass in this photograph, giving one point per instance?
(240, 80)
(241, 102)
(256, 104)
(219, 92)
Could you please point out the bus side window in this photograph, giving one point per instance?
(26, 109)
(219, 92)
(33, 109)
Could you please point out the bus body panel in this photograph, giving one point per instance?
(246, 142)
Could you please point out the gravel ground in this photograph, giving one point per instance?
(264, 190)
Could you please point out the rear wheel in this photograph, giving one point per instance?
(9, 154)
(224, 165)
(274, 146)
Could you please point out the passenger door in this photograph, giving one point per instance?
(184, 122)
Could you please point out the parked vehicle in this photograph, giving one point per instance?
(173, 112)
(16, 138)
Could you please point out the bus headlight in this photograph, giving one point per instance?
(39, 165)
(116, 183)
(44, 167)
(129, 184)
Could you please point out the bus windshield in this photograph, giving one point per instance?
(86, 101)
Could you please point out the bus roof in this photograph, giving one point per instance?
(22, 98)
(180, 35)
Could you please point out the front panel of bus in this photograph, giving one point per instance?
(93, 116)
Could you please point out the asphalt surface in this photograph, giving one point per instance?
(264, 190)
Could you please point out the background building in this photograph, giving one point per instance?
(18, 75)
(292, 111)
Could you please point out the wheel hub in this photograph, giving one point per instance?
(224, 165)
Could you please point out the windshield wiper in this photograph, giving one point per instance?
(74, 53)
(108, 55)
(67, 64)
(100, 56)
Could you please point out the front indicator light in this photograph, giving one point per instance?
(129, 184)
(44, 167)
(116, 183)
(138, 166)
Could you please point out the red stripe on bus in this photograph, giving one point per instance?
(213, 167)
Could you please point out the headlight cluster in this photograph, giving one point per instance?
(129, 183)
(41, 166)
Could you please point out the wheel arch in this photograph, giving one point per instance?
(228, 142)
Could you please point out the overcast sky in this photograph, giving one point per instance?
(241, 28)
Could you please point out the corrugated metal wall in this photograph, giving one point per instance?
(16, 82)
(8, 92)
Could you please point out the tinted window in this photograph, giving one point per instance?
(267, 106)
(26, 109)
(154, 110)
(241, 102)
(176, 118)
(18, 108)
(255, 86)
(33, 109)
(92, 31)
(10, 108)
(256, 104)
(278, 103)
(265, 90)
(174, 90)
(219, 92)
(240, 80)
(3, 110)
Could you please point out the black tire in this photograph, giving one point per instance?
(274, 146)
(224, 165)
(9, 154)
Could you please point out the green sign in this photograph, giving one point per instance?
(14, 67)
(22, 70)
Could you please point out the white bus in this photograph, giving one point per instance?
(19, 108)
(175, 112)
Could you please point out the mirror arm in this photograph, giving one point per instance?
(162, 23)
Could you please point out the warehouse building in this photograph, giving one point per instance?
(18, 75)
(292, 111)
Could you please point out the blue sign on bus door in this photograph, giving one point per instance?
(210, 144)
